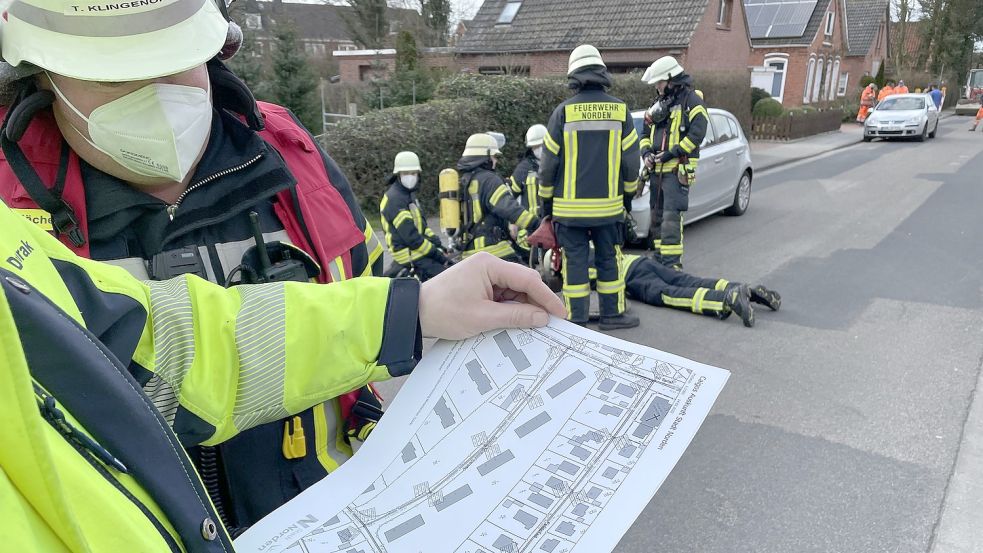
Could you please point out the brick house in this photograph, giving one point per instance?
(815, 51)
(535, 37)
(321, 28)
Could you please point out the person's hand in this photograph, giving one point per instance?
(666, 156)
(470, 298)
(650, 161)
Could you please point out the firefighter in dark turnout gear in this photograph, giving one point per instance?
(589, 175)
(525, 178)
(524, 181)
(655, 284)
(488, 205)
(674, 129)
(408, 236)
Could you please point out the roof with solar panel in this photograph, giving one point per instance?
(539, 25)
(784, 22)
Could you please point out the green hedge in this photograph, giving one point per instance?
(436, 131)
(768, 107)
(466, 104)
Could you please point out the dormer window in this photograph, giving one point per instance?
(508, 13)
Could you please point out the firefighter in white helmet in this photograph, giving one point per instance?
(126, 137)
(410, 239)
(590, 173)
(486, 202)
(674, 129)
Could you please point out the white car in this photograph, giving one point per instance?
(723, 176)
(903, 116)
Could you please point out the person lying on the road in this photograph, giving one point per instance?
(651, 282)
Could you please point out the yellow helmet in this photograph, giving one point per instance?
(406, 162)
(535, 135)
(113, 41)
(481, 144)
(582, 56)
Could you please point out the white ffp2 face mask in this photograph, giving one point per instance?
(409, 181)
(156, 131)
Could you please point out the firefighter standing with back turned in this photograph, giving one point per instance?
(589, 175)
(674, 129)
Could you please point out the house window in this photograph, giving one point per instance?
(779, 68)
(810, 76)
(830, 18)
(844, 82)
(817, 81)
(508, 13)
(254, 21)
(723, 12)
(833, 78)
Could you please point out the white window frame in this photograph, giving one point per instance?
(817, 81)
(254, 21)
(827, 91)
(843, 85)
(723, 13)
(810, 76)
(783, 59)
(830, 23)
(834, 77)
(506, 18)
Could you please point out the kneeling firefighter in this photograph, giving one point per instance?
(410, 240)
(486, 206)
(591, 160)
(674, 129)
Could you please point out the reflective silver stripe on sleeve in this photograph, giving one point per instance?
(261, 338)
(134, 265)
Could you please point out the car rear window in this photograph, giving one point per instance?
(902, 104)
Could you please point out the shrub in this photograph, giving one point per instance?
(758, 94)
(513, 104)
(866, 80)
(436, 131)
(769, 107)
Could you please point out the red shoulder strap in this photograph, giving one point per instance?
(332, 231)
(41, 145)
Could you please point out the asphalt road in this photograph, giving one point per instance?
(839, 427)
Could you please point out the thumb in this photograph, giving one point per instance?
(512, 315)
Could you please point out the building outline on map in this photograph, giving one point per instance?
(593, 409)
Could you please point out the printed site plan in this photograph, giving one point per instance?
(548, 440)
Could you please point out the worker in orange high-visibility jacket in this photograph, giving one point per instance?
(868, 97)
(888, 90)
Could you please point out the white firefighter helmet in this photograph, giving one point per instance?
(535, 135)
(406, 162)
(582, 56)
(113, 41)
(481, 144)
(662, 69)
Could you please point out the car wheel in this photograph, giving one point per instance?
(921, 137)
(868, 138)
(935, 131)
(742, 196)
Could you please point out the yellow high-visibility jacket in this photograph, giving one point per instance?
(103, 378)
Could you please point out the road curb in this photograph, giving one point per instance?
(804, 157)
(958, 529)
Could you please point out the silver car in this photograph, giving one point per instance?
(723, 176)
(903, 116)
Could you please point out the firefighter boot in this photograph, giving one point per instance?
(764, 296)
(618, 321)
(738, 300)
